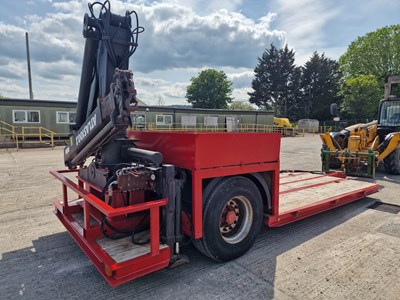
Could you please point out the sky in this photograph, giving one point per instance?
(181, 38)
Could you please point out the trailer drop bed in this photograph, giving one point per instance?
(303, 194)
(212, 158)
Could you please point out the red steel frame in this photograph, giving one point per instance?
(86, 235)
(206, 155)
(211, 155)
(197, 188)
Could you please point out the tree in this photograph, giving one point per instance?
(295, 95)
(320, 86)
(276, 82)
(240, 105)
(210, 89)
(376, 53)
(361, 97)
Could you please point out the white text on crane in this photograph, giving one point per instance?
(86, 130)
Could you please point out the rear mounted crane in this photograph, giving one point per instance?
(144, 192)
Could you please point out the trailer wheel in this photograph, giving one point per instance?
(392, 162)
(232, 219)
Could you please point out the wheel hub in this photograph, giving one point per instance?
(236, 219)
(231, 217)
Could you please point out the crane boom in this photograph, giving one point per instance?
(107, 92)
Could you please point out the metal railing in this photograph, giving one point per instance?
(10, 134)
(8, 128)
(221, 127)
(285, 131)
(324, 129)
(19, 134)
(41, 133)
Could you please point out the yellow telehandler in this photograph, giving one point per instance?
(360, 148)
(282, 122)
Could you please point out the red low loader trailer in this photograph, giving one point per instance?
(217, 190)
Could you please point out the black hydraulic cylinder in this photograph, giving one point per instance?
(168, 213)
(88, 65)
(141, 155)
(178, 210)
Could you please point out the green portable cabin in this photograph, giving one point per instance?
(53, 115)
(186, 117)
(57, 116)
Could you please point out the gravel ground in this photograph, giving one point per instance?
(351, 252)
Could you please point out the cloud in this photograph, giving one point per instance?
(241, 84)
(151, 90)
(179, 35)
(56, 37)
(242, 79)
(13, 69)
(207, 7)
(177, 90)
(59, 70)
(10, 88)
(241, 94)
(12, 41)
(305, 23)
(150, 82)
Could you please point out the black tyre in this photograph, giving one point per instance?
(232, 219)
(392, 162)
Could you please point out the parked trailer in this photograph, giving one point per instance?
(218, 190)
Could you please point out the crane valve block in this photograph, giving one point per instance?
(136, 178)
